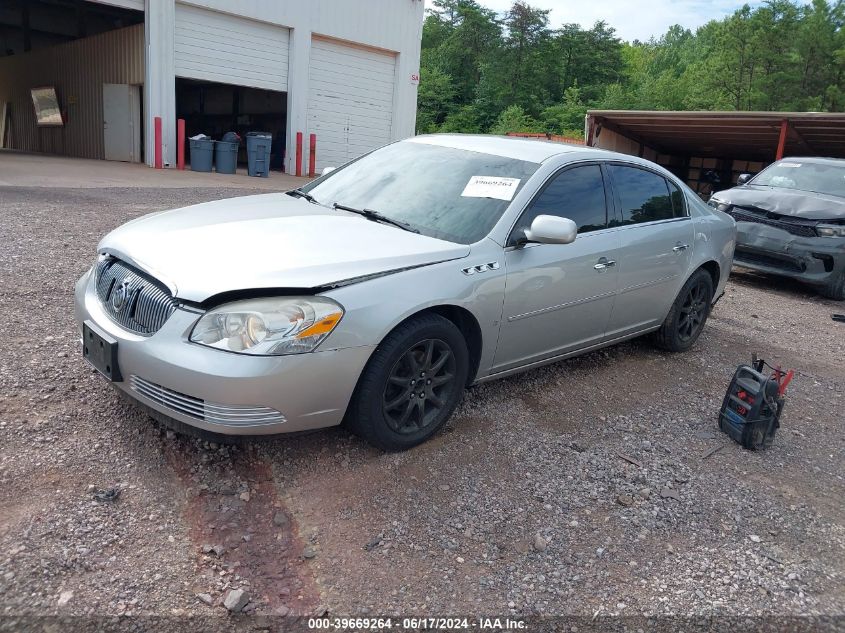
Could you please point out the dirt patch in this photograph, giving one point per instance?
(242, 530)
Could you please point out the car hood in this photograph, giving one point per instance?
(271, 241)
(800, 204)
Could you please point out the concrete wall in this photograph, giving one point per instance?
(78, 71)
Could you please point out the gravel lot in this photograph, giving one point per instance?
(522, 506)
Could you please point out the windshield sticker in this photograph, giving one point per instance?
(789, 165)
(491, 187)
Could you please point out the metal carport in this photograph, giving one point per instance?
(693, 144)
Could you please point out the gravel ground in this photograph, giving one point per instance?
(589, 487)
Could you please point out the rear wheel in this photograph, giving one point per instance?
(411, 385)
(835, 288)
(689, 312)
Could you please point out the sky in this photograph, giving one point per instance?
(632, 19)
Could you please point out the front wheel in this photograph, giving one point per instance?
(689, 312)
(411, 385)
(835, 288)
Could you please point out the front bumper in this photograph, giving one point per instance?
(222, 392)
(813, 260)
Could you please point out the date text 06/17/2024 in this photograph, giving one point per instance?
(416, 623)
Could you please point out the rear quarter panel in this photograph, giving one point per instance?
(715, 239)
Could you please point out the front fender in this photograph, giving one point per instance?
(375, 307)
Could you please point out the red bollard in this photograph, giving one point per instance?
(312, 156)
(180, 144)
(159, 163)
(299, 154)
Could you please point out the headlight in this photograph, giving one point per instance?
(719, 205)
(830, 230)
(271, 327)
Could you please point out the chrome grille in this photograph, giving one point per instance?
(132, 299)
(795, 226)
(215, 413)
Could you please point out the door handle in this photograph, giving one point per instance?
(681, 247)
(604, 263)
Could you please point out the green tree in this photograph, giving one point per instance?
(515, 119)
(434, 99)
(464, 119)
(566, 118)
(482, 71)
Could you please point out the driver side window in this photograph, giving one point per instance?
(576, 193)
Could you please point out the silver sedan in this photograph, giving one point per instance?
(375, 294)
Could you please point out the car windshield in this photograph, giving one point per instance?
(804, 176)
(443, 192)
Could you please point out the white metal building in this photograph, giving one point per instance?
(345, 70)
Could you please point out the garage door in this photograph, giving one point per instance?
(350, 100)
(216, 47)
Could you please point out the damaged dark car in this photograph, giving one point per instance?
(790, 221)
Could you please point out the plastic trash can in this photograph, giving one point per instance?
(258, 146)
(225, 157)
(202, 154)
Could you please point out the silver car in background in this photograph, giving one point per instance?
(375, 294)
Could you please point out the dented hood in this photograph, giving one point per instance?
(800, 204)
(267, 241)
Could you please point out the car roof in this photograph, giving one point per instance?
(819, 160)
(531, 150)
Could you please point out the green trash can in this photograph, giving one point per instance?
(225, 157)
(202, 154)
(258, 145)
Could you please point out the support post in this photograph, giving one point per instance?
(312, 156)
(159, 162)
(180, 144)
(784, 127)
(299, 154)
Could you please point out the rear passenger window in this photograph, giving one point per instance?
(679, 205)
(644, 195)
(577, 194)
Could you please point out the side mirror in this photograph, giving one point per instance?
(326, 170)
(743, 178)
(550, 229)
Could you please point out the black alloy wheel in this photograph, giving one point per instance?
(688, 314)
(694, 310)
(419, 386)
(412, 383)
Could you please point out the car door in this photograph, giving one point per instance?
(558, 297)
(656, 239)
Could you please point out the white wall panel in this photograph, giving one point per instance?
(350, 100)
(219, 47)
(390, 25)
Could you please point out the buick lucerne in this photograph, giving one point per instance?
(377, 293)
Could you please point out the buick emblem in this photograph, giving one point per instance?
(119, 296)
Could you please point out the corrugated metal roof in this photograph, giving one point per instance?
(747, 134)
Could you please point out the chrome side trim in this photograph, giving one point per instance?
(560, 306)
(480, 268)
(653, 282)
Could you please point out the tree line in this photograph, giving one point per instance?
(486, 72)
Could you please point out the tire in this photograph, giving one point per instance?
(386, 409)
(689, 312)
(835, 288)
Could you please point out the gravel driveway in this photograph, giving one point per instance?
(590, 487)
